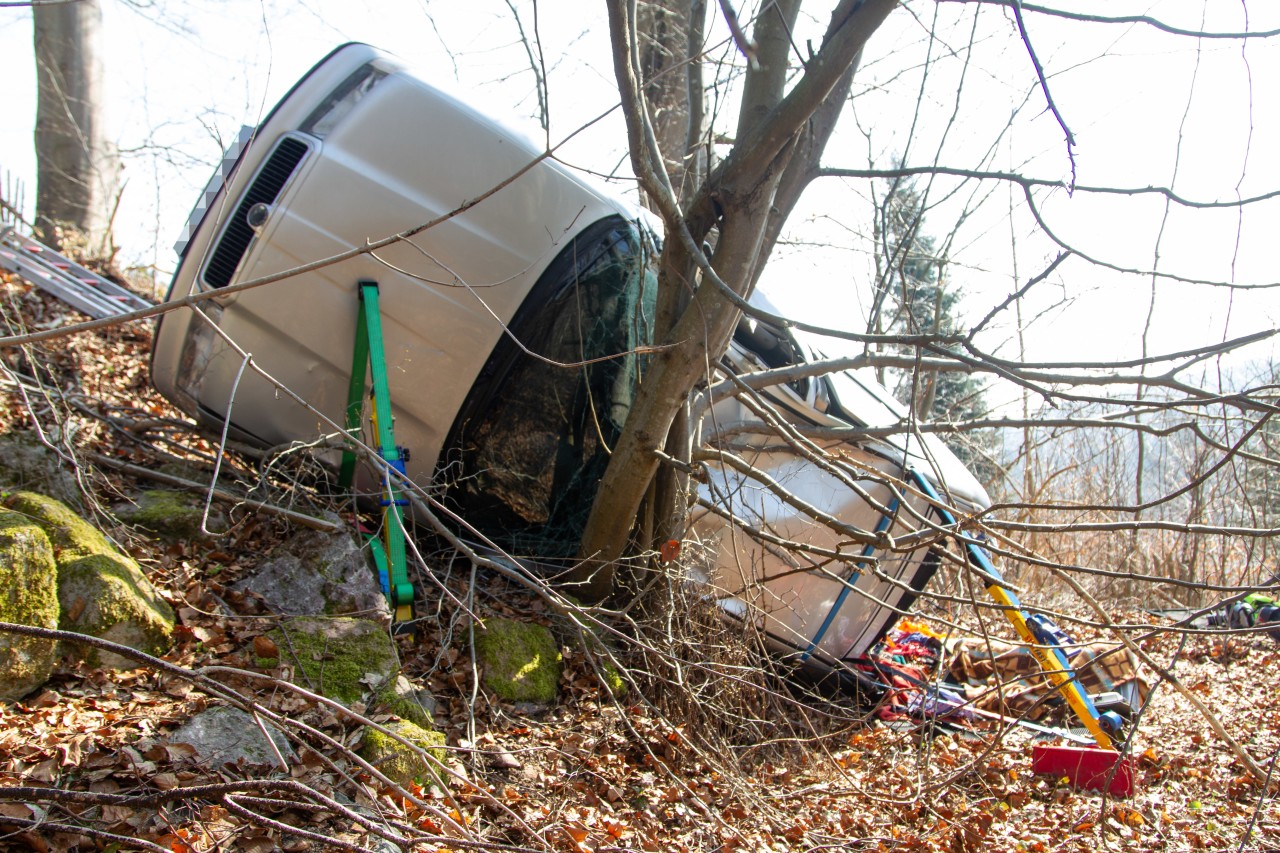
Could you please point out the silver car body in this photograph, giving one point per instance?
(362, 149)
(829, 610)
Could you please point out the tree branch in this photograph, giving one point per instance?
(1016, 6)
(1155, 23)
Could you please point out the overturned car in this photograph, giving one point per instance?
(515, 302)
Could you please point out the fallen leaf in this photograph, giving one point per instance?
(116, 814)
(75, 610)
(504, 760)
(19, 810)
(165, 781)
(265, 647)
(257, 844)
(45, 771)
(577, 836)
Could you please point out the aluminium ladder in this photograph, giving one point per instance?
(64, 278)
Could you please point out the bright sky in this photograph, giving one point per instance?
(1146, 108)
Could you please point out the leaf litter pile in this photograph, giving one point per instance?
(705, 750)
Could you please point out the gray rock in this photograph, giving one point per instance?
(225, 735)
(316, 573)
(25, 463)
(405, 699)
(406, 688)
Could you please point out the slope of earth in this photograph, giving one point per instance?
(706, 750)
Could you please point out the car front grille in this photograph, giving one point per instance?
(266, 187)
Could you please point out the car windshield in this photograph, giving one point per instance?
(527, 451)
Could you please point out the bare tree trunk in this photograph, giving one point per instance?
(77, 168)
(737, 197)
(670, 35)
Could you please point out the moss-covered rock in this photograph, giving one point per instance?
(607, 672)
(522, 662)
(71, 535)
(101, 591)
(170, 513)
(398, 762)
(343, 659)
(404, 700)
(28, 596)
(601, 659)
(107, 596)
(613, 679)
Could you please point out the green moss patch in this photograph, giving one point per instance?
(522, 662)
(398, 762)
(343, 659)
(167, 512)
(70, 534)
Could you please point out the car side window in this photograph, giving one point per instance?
(772, 347)
(529, 447)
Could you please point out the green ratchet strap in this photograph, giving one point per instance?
(389, 551)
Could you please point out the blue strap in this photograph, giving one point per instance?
(881, 526)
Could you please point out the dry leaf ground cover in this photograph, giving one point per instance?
(705, 752)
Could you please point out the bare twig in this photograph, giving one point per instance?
(220, 494)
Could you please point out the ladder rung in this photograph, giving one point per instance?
(79, 287)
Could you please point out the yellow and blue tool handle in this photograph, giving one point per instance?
(1042, 637)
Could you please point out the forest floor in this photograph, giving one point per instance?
(706, 751)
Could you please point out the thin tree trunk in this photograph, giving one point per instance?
(664, 30)
(77, 168)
